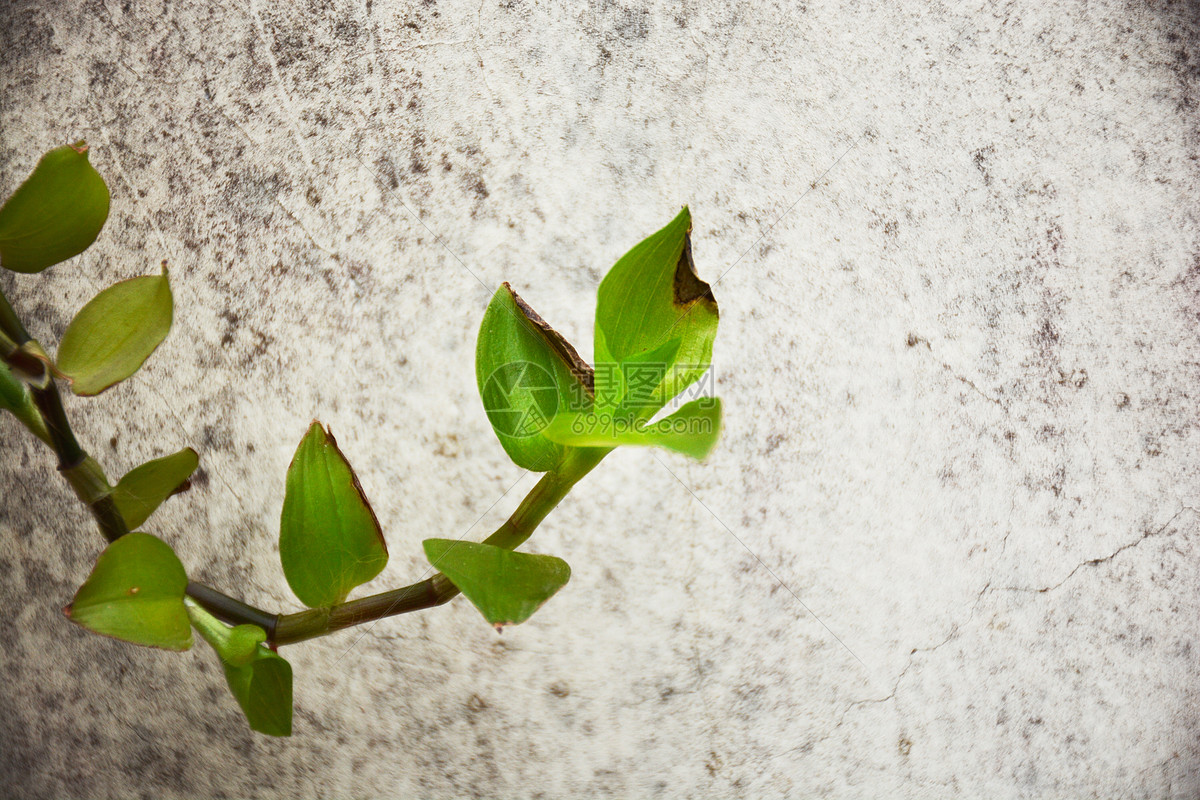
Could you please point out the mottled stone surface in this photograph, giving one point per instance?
(959, 280)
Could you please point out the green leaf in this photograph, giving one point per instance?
(506, 587)
(144, 488)
(609, 380)
(692, 430)
(16, 397)
(260, 680)
(55, 214)
(115, 333)
(651, 297)
(135, 593)
(329, 538)
(263, 689)
(527, 372)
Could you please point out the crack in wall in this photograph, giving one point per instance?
(914, 340)
(284, 99)
(955, 629)
(1092, 562)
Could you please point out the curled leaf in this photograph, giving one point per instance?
(527, 373)
(651, 297)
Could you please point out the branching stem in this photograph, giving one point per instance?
(88, 481)
(434, 591)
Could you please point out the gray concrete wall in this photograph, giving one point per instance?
(949, 545)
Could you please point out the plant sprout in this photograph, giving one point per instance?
(552, 412)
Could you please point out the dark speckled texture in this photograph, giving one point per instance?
(959, 357)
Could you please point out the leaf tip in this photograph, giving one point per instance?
(579, 369)
(687, 284)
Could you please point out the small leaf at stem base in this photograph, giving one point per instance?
(259, 679)
(144, 488)
(263, 688)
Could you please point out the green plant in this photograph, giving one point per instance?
(552, 412)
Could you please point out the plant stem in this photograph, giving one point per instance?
(90, 485)
(13, 338)
(87, 479)
(436, 590)
(62, 438)
(7, 345)
(10, 323)
(230, 610)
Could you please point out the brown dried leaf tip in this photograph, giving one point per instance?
(582, 370)
(688, 286)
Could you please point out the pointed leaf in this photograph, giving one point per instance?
(329, 538)
(692, 430)
(652, 296)
(527, 372)
(260, 680)
(115, 333)
(135, 593)
(55, 214)
(144, 488)
(506, 587)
